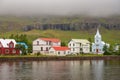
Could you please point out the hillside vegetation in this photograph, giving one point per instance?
(17, 25)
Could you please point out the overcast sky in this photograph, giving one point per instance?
(60, 7)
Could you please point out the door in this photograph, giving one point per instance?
(97, 50)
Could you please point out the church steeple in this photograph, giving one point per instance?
(97, 34)
(97, 37)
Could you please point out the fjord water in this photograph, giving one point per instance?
(61, 70)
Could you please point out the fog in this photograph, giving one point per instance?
(60, 7)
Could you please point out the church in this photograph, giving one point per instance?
(97, 46)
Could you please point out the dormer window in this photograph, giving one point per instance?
(11, 45)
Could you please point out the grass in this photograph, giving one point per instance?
(109, 36)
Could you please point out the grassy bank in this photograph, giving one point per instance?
(57, 58)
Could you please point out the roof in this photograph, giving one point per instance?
(50, 39)
(5, 42)
(103, 42)
(61, 48)
(23, 43)
(80, 40)
(9, 40)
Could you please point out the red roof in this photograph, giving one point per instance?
(50, 39)
(61, 48)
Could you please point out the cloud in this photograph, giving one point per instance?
(60, 7)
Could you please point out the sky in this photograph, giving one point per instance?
(60, 7)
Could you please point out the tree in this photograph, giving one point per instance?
(110, 48)
(81, 50)
(118, 53)
(11, 36)
(21, 48)
(105, 49)
(63, 44)
(90, 40)
(29, 47)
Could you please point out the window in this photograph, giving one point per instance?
(70, 44)
(97, 44)
(41, 48)
(11, 46)
(50, 42)
(14, 51)
(47, 43)
(37, 42)
(7, 51)
(97, 40)
(51, 51)
(80, 44)
(73, 44)
(64, 52)
(46, 48)
(81, 49)
(58, 52)
(73, 49)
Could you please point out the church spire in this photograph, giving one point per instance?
(97, 34)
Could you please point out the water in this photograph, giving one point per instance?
(60, 70)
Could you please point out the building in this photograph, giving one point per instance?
(43, 45)
(97, 46)
(79, 46)
(116, 47)
(7, 46)
(59, 51)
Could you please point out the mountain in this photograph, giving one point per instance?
(61, 27)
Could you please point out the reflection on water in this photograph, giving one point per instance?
(60, 70)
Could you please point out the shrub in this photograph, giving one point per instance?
(38, 53)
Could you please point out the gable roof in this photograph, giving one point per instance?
(50, 39)
(80, 40)
(5, 42)
(61, 48)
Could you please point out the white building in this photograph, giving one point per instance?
(43, 45)
(59, 51)
(97, 46)
(117, 46)
(79, 46)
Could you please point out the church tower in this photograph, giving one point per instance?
(97, 46)
(97, 37)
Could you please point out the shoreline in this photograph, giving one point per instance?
(57, 58)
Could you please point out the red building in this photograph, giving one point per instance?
(7, 46)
